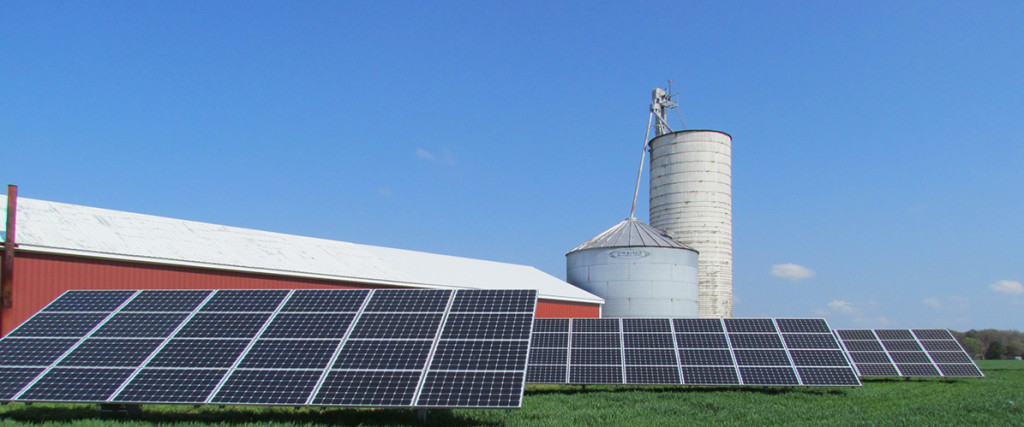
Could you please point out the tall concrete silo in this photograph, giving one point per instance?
(691, 196)
(638, 271)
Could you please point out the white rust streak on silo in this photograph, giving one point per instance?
(691, 196)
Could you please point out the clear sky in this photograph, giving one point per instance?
(877, 145)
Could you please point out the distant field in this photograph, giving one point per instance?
(997, 399)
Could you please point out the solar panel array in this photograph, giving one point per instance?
(907, 353)
(389, 347)
(763, 352)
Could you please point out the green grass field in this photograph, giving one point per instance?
(997, 399)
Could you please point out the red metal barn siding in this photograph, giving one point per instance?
(559, 309)
(40, 278)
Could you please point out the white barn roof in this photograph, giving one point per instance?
(61, 228)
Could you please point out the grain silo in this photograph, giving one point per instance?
(691, 196)
(639, 271)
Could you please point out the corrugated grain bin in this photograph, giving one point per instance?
(639, 271)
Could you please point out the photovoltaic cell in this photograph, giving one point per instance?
(268, 387)
(551, 325)
(368, 388)
(494, 301)
(383, 354)
(424, 348)
(697, 325)
(110, 352)
(76, 385)
(396, 301)
(13, 380)
(544, 374)
(475, 389)
(308, 325)
(89, 301)
(141, 325)
(198, 353)
(223, 325)
(646, 351)
(652, 375)
(241, 300)
(289, 354)
(171, 386)
(33, 351)
(325, 300)
(50, 324)
(915, 352)
(163, 300)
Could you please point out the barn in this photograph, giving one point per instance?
(60, 246)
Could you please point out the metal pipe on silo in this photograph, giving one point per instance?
(691, 196)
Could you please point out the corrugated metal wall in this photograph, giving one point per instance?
(40, 278)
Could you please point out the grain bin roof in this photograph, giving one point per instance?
(60, 228)
(630, 233)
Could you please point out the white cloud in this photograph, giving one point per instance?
(842, 307)
(444, 157)
(792, 272)
(933, 303)
(424, 154)
(1007, 287)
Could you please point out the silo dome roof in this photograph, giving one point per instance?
(631, 233)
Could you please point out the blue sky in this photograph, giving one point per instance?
(877, 145)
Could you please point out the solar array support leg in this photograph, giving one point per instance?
(421, 413)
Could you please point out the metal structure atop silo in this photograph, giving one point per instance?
(691, 197)
(639, 271)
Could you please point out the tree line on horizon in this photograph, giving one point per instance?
(992, 344)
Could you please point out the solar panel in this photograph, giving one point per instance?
(906, 353)
(765, 352)
(394, 347)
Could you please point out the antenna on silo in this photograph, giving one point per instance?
(661, 101)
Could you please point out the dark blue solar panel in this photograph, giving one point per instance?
(198, 353)
(705, 357)
(368, 388)
(902, 345)
(494, 301)
(584, 374)
(477, 389)
(818, 358)
(76, 385)
(652, 375)
(932, 334)
(710, 375)
(223, 325)
(549, 340)
(650, 340)
(761, 358)
(89, 301)
(164, 300)
(12, 380)
(697, 325)
(383, 354)
(396, 300)
(141, 325)
(756, 375)
(47, 324)
(541, 374)
(488, 326)
(894, 334)
(33, 351)
(110, 352)
(550, 325)
(749, 325)
(803, 325)
(326, 300)
(909, 357)
(810, 341)
(596, 341)
(917, 369)
(549, 356)
(308, 325)
(856, 334)
(701, 341)
(480, 355)
(646, 325)
(595, 325)
(595, 356)
(635, 356)
(171, 386)
(877, 370)
(827, 376)
(869, 357)
(397, 325)
(245, 300)
(755, 341)
(268, 387)
(289, 354)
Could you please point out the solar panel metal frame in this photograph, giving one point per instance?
(498, 383)
(901, 357)
(641, 343)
